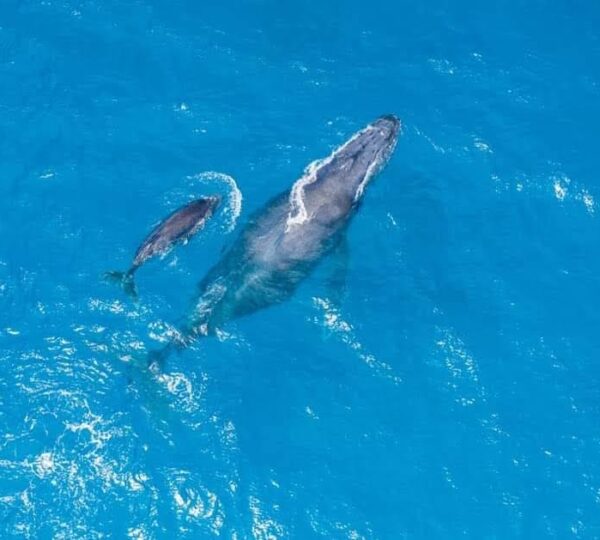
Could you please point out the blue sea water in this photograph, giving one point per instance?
(455, 390)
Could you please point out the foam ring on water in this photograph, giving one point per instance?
(234, 195)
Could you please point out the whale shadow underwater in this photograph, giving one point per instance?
(282, 243)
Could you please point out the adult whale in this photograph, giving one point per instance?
(283, 242)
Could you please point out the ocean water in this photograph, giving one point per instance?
(453, 392)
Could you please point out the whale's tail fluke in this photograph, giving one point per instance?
(125, 279)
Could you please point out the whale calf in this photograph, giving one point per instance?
(283, 242)
(176, 228)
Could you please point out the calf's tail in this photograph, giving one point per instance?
(125, 279)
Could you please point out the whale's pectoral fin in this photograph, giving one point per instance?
(337, 278)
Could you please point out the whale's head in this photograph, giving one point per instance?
(365, 154)
(332, 187)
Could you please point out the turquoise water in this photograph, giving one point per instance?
(454, 391)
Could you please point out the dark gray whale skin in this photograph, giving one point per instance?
(176, 228)
(283, 242)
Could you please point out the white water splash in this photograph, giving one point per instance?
(565, 189)
(194, 503)
(298, 213)
(588, 201)
(234, 195)
(44, 464)
(560, 189)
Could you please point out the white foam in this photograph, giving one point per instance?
(298, 213)
(565, 189)
(163, 332)
(482, 146)
(181, 388)
(234, 195)
(137, 533)
(441, 65)
(44, 464)
(588, 200)
(194, 503)
(311, 413)
(560, 190)
(264, 527)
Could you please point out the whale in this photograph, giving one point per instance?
(178, 227)
(283, 242)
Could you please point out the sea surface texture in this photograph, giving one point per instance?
(450, 390)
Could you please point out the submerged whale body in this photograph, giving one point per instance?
(176, 228)
(283, 242)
